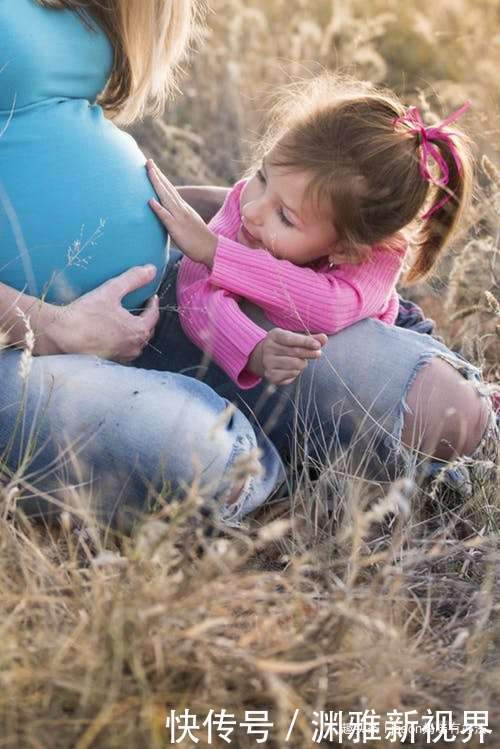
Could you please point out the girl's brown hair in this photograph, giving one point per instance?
(366, 170)
(150, 38)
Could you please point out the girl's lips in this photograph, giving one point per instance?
(249, 237)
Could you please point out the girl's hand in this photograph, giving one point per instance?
(205, 199)
(97, 323)
(187, 229)
(282, 355)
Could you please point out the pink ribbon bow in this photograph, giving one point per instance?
(427, 135)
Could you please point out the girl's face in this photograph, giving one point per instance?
(275, 217)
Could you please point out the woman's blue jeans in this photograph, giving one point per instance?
(119, 439)
(91, 435)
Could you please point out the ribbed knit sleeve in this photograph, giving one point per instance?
(213, 320)
(307, 299)
(211, 317)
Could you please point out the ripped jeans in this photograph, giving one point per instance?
(96, 437)
(113, 440)
(345, 410)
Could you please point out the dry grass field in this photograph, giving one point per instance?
(389, 601)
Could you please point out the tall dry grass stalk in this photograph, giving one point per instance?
(345, 596)
(100, 644)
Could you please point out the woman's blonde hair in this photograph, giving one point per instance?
(365, 169)
(150, 39)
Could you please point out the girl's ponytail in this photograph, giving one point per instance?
(451, 190)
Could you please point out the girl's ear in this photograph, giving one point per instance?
(336, 252)
(353, 254)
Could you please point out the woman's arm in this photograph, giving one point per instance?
(95, 323)
(13, 306)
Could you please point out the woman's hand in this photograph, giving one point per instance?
(282, 355)
(97, 323)
(187, 229)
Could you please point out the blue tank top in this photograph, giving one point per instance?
(73, 188)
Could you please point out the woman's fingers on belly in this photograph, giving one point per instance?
(130, 280)
(151, 313)
(97, 323)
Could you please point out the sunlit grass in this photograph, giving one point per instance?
(345, 596)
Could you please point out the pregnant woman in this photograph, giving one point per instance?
(74, 214)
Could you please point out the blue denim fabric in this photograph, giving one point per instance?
(411, 316)
(346, 408)
(88, 433)
(85, 431)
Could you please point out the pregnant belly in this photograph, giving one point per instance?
(74, 204)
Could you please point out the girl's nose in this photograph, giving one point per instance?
(252, 211)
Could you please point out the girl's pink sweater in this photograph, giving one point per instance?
(314, 298)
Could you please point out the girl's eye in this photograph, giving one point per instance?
(260, 176)
(283, 218)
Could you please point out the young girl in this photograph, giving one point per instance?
(315, 236)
